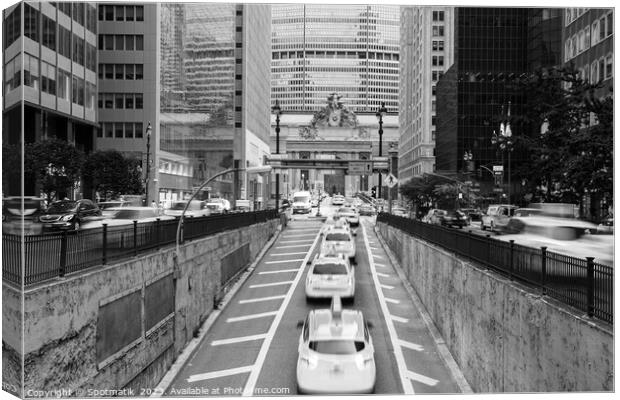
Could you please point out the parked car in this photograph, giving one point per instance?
(497, 216)
(455, 218)
(16, 208)
(434, 216)
(548, 226)
(367, 209)
(69, 214)
(197, 208)
(606, 225)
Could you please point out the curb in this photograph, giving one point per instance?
(442, 347)
(193, 344)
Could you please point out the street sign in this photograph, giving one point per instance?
(390, 181)
(360, 168)
(380, 163)
(498, 168)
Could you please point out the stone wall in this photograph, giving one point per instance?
(60, 317)
(505, 337)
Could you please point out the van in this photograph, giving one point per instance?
(497, 216)
(302, 202)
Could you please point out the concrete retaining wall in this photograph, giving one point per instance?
(504, 337)
(60, 317)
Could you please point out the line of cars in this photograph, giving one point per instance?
(335, 349)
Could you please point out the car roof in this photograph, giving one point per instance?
(132, 208)
(336, 323)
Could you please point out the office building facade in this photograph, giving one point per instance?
(352, 50)
(128, 68)
(426, 52)
(50, 77)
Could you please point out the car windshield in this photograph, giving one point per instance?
(337, 237)
(180, 205)
(336, 346)
(212, 206)
(301, 199)
(330, 269)
(62, 207)
(134, 214)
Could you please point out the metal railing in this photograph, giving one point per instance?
(57, 254)
(580, 283)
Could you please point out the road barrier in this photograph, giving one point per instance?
(580, 283)
(57, 254)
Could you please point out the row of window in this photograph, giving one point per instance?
(121, 13)
(589, 36)
(121, 71)
(121, 101)
(76, 10)
(127, 130)
(599, 70)
(438, 30)
(438, 45)
(121, 42)
(438, 15)
(437, 61)
(50, 79)
(571, 14)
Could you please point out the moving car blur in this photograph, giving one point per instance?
(196, 208)
(69, 215)
(454, 218)
(126, 215)
(330, 275)
(16, 209)
(339, 239)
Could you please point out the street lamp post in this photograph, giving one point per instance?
(277, 111)
(380, 112)
(148, 161)
(504, 140)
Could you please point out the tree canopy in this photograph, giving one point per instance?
(112, 174)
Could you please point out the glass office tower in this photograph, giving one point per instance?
(321, 49)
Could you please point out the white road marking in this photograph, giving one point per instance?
(238, 339)
(260, 299)
(398, 351)
(421, 378)
(296, 241)
(302, 230)
(262, 355)
(289, 254)
(377, 256)
(283, 261)
(252, 316)
(383, 275)
(280, 271)
(292, 245)
(301, 235)
(380, 265)
(262, 285)
(409, 345)
(219, 374)
(392, 301)
(399, 319)
(388, 287)
(374, 248)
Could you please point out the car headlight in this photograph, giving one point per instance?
(363, 362)
(310, 360)
(67, 218)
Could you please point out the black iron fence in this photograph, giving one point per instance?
(56, 254)
(580, 283)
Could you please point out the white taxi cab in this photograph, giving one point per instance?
(330, 275)
(339, 238)
(336, 353)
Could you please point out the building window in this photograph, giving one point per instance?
(91, 57)
(12, 27)
(609, 66)
(108, 100)
(438, 15)
(594, 73)
(129, 101)
(587, 37)
(119, 42)
(138, 130)
(595, 32)
(49, 33)
(438, 30)
(31, 71)
(119, 101)
(48, 78)
(139, 13)
(109, 13)
(90, 95)
(129, 42)
(91, 19)
(78, 50)
(129, 72)
(120, 13)
(601, 69)
(610, 24)
(129, 130)
(12, 74)
(108, 129)
(586, 73)
(118, 130)
(62, 86)
(31, 22)
(139, 71)
(129, 13)
(109, 71)
(109, 42)
(78, 13)
(139, 101)
(140, 42)
(119, 71)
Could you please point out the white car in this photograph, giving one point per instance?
(302, 202)
(336, 353)
(224, 204)
(118, 216)
(350, 214)
(338, 200)
(339, 239)
(197, 208)
(330, 275)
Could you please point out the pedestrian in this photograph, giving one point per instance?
(153, 204)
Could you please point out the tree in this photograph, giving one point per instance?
(54, 164)
(11, 166)
(420, 190)
(571, 157)
(112, 174)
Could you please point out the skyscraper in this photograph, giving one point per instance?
(352, 50)
(426, 52)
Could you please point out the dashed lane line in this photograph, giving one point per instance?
(301, 235)
(219, 374)
(398, 352)
(261, 299)
(280, 271)
(262, 285)
(388, 287)
(296, 241)
(238, 339)
(421, 378)
(252, 316)
(292, 246)
(399, 319)
(393, 301)
(296, 253)
(383, 275)
(377, 256)
(409, 345)
(283, 261)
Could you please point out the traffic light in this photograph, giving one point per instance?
(373, 192)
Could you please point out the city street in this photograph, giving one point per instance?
(260, 324)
